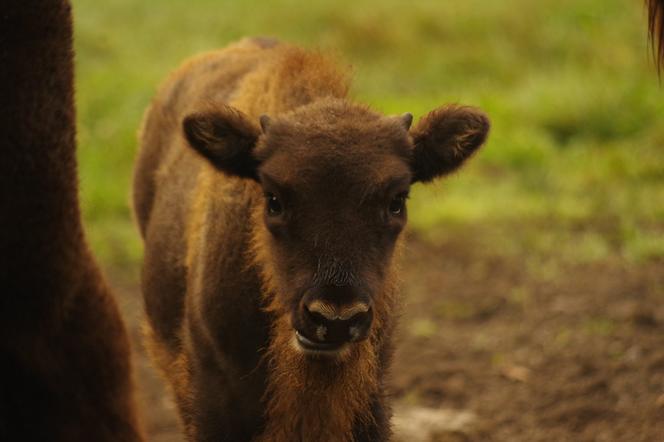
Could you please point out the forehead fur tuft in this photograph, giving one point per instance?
(334, 141)
(334, 124)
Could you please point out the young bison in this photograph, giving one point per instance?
(271, 208)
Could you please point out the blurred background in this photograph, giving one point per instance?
(534, 278)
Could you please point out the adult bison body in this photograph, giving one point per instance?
(271, 207)
(65, 361)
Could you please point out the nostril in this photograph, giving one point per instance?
(358, 318)
(314, 316)
(354, 333)
(358, 326)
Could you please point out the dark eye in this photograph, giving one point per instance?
(273, 205)
(398, 205)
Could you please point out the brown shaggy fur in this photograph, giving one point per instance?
(656, 29)
(65, 372)
(225, 279)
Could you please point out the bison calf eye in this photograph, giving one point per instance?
(398, 205)
(273, 205)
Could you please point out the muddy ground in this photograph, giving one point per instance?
(525, 351)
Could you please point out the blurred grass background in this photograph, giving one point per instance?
(574, 167)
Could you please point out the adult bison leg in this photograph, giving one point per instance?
(64, 350)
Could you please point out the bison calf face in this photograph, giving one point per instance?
(335, 179)
(331, 221)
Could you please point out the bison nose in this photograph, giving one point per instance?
(332, 323)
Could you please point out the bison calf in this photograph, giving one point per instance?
(271, 207)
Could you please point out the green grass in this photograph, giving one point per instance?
(575, 162)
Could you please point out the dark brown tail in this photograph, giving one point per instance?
(656, 30)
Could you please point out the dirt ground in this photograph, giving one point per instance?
(529, 351)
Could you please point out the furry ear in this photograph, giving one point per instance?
(445, 138)
(226, 137)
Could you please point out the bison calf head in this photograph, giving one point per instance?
(335, 178)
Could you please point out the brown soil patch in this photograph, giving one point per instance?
(566, 352)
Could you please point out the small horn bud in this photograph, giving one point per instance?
(265, 122)
(407, 120)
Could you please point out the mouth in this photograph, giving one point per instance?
(320, 348)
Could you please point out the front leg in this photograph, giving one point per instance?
(226, 392)
(221, 413)
(379, 429)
